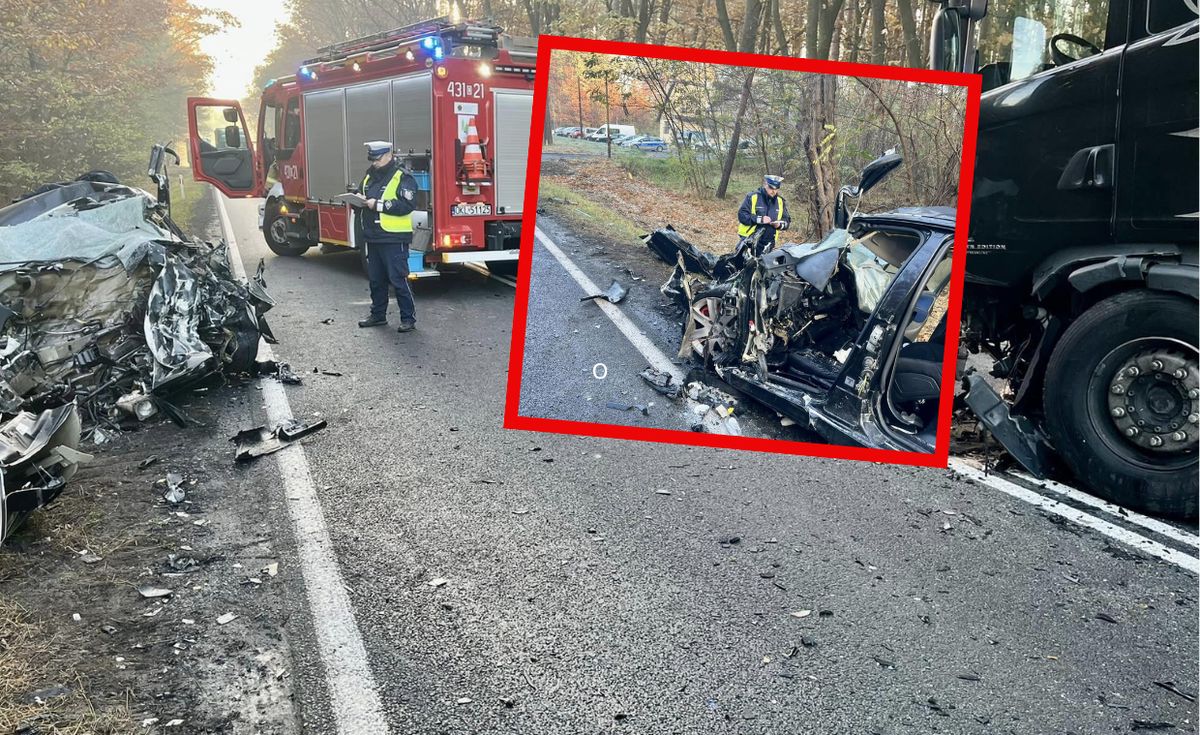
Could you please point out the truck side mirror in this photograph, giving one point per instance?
(231, 115)
(233, 136)
(945, 40)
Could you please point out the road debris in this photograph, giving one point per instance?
(1151, 725)
(175, 492)
(1170, 687)
(281, 371)
(662, 382)
(151, 592)
(227, 618)
(617, 406)
(259, 441)
(614, 294)
(437, 582)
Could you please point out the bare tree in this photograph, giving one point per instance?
(735, 137)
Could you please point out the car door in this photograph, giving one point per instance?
(219, 147)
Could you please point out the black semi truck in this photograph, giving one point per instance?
(1082, 260)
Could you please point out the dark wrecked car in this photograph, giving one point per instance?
(106, 309)
(844, 336)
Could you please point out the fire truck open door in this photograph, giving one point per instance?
(219, 147)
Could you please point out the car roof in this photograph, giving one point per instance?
(939, 217)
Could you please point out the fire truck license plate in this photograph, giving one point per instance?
(470, 210)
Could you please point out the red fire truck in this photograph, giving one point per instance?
(423, 87)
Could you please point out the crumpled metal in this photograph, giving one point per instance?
(38, 455)
(148, 307)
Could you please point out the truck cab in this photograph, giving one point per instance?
(1082, 271)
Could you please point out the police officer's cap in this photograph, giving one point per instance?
(377, 149)
(773, 181)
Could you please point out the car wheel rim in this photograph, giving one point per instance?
(1148, 392)
(710, 334)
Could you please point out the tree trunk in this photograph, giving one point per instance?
(726, 26)
(735, 137)
(877, 20)
(912, 42)
(819, 137)
(781, 41)
(750, 26)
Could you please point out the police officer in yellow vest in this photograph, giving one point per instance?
(764, 208)
(386, 222)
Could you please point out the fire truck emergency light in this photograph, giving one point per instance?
(429, 42)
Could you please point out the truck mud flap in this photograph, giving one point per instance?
(1015, 433)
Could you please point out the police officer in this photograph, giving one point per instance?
(386, 222)
(764, 207)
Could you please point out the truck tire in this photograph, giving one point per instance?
(1136, 448)
(274, 231)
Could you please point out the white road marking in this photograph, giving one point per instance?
(1145, 545)
(637, 337)
(353, 694)
(1113, 531)
(1152, 524)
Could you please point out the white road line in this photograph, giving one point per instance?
(1113, 531)
(353, 694)
(637, 337)
(660, 361)
(1151, 524)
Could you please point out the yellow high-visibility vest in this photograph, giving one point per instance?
(392, 222)
(744, 230)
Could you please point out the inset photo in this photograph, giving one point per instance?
(743, 251)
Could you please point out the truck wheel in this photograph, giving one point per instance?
(275, 232)
(1121, 397)
(505, 268)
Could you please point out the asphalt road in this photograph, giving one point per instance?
(582, 598)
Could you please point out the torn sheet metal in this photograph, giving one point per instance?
(615, 294)
(661, 382)
(259, 441)
(105, 296)
(38, 455)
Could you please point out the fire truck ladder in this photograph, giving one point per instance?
(470, 33)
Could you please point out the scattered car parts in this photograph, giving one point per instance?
(260, 441)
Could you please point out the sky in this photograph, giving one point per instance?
(236, 51)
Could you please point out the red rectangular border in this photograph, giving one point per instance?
(941, 454)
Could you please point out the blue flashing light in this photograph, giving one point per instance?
(438, 53)
(304, 70)
(429, 42)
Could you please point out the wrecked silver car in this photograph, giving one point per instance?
(844, 336)
(107, 308)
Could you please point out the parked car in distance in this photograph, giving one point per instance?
(632, 140)
(650, 143)
(582, 133)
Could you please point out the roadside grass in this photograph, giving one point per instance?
(570, 204)
(29, 664)
(75, 523)
(186, 199)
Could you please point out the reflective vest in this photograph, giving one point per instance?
(392, 222)
(744, 230)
